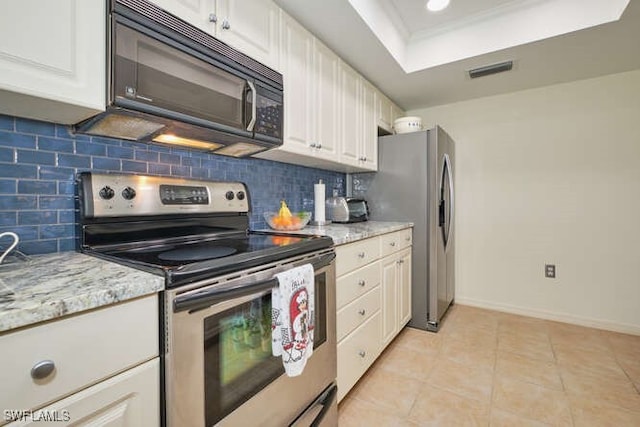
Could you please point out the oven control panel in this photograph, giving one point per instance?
(184, 195)
(108, 195)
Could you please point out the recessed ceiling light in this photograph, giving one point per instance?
(437, 5)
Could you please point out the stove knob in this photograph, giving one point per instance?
(229, 195)
(106, 193)
(128, 193)
(240, 195)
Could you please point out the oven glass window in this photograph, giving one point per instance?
(237, 352)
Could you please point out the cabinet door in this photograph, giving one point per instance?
(296, 66)
(251, 26)
(389, 299)
(369, 139)
(199, 13)
(404, 287)
(383, 112)
(395, 113)
(350, 115)
(129, 399)
(52, 51)
(326, 101)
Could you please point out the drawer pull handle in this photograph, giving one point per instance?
(362, 312)
(362, 353)
(43, 369)
(362, 282)
(361, 255)
(392, 243)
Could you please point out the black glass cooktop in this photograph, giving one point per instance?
(199, 259)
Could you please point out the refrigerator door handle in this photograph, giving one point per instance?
(447, 162)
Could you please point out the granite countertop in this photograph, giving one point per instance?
(46, 287)
(346, 233)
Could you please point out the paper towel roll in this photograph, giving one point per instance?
(318, 201)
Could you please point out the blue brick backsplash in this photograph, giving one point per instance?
(39, 162)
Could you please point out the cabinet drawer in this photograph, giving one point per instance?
(393, 242)
(355, 255)
(357, 312)
(357, 283)
(128, 399)
(85, 349)
(356, 353)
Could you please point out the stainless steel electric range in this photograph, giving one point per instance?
(217, 367)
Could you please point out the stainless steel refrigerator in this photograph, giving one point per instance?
(415, 183)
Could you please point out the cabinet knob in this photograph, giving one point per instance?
(401, 261)
(225, 25)
(43, 369)
(362, 353)
(319, 145)
(312, 145)
(213, 18)
(362, 312)
(361, 255)
(392, 243)
(361, 282)
(408, 239)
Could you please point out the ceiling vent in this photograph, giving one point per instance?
(491, 69)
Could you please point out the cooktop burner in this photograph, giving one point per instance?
(199, 258)
(196, 254)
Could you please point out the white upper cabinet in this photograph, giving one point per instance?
(350, 118)
(199, 13)
(368, 157)
(386, 112)
(311, 98)
(383, 112)
(251, 26)
(297, 69)
(326, 100)
(52, 59)
(358, 129)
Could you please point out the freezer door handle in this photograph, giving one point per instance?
(447, 162)
(445, 205)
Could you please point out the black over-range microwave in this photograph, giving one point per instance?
(172, 83)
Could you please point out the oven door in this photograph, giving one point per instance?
(218, 363)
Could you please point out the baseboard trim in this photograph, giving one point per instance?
(548, 315)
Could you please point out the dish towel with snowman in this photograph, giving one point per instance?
(292, 318)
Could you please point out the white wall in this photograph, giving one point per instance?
(550, 175)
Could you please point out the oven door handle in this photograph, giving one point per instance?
(324, 402)
(205, 299)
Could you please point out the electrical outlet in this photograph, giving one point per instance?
(550, 271)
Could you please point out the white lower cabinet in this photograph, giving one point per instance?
(357, 353)
(128, 399)
(96, 368)
(373, 298)
(396, 294)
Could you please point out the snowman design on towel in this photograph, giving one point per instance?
(292, 319)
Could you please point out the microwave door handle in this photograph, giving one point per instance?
(254, 99)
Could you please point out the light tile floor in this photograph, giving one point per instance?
(486, 368)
